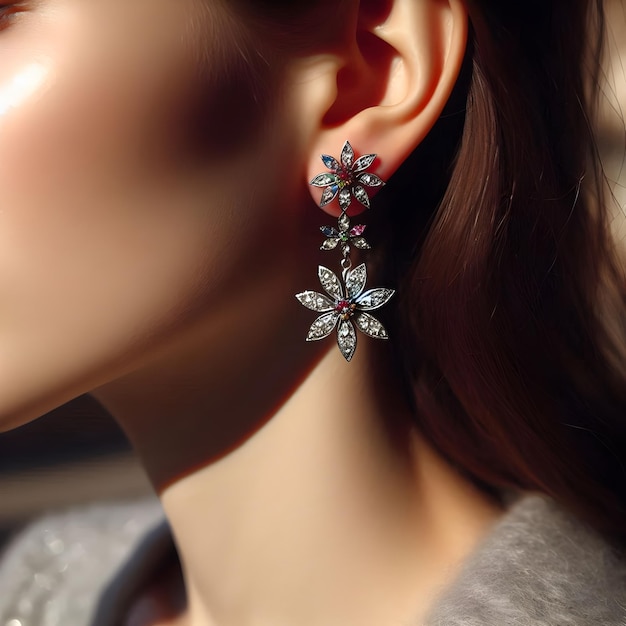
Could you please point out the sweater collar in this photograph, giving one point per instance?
(538, 565)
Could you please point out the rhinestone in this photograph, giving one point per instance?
(346, 339)
(330, 282)
(345, 198)
(344, 222)
(347, 155)
(329, 195)
(362, 163)
(330, 162)
(315, 301)
(360, 243)
(361, 195)
(324, 180)
(322, 326)
(356, 280)
(370, 326)
(371, 180)
(330, 244)
(374, 298)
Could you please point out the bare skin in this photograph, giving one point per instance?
(153, 259)
(335, 512)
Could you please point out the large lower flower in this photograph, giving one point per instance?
(345, 308)
(347, 179)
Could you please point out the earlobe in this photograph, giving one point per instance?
(397, 73)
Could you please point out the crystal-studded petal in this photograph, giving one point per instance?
(324, 180)
(357, 230)
(316, 301)
(330, 162)
(329, 231)
(362, 163)
(371, 180)
(369, 325)
(346, 339)
(361, 243)
(330, 243)
(374, 298)
(361, 195)
(329, 194)
(344, 222)
(322, 326)
(347, 156)
(330, 282)
(345, 198)
(355, 281)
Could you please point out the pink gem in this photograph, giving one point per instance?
(342, 305)
(358, 230)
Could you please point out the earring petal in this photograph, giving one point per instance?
(324, 180)
(347, 156)
(331, 162)
(323, 326)
(371, 180)
(329, 195)
(355, 281)
(345, 198)
(374, 298)
(362, 163)
(315, 301)
(370, 326)
(330, 282)
(361, 195)
(346, 339)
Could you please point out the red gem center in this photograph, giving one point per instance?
(345, 177)
(345, 307)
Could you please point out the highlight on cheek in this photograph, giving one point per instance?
(25, 83)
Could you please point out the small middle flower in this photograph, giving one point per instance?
(345, 236)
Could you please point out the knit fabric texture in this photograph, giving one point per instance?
(538, 566)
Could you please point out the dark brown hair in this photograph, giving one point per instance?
(507, 281)
(514, 377)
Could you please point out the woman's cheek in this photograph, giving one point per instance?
(92, 253)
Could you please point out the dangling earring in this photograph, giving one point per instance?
(345, 304)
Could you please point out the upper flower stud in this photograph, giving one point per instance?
(346, 179)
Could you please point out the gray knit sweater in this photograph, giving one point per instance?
(538, 566)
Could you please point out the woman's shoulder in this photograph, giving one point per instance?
(538, 565)
(55, 571)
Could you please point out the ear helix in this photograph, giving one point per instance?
(346, 303)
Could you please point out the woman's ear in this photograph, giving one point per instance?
(384, 85)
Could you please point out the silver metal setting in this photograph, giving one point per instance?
(347, 179)
(345, 305)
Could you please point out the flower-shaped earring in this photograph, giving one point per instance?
(346, 179)
(345, 235)
(345, 306)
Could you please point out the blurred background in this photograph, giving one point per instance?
(77, 454)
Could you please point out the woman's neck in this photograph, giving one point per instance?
(334, 511)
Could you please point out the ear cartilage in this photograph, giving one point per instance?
(346, 304)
